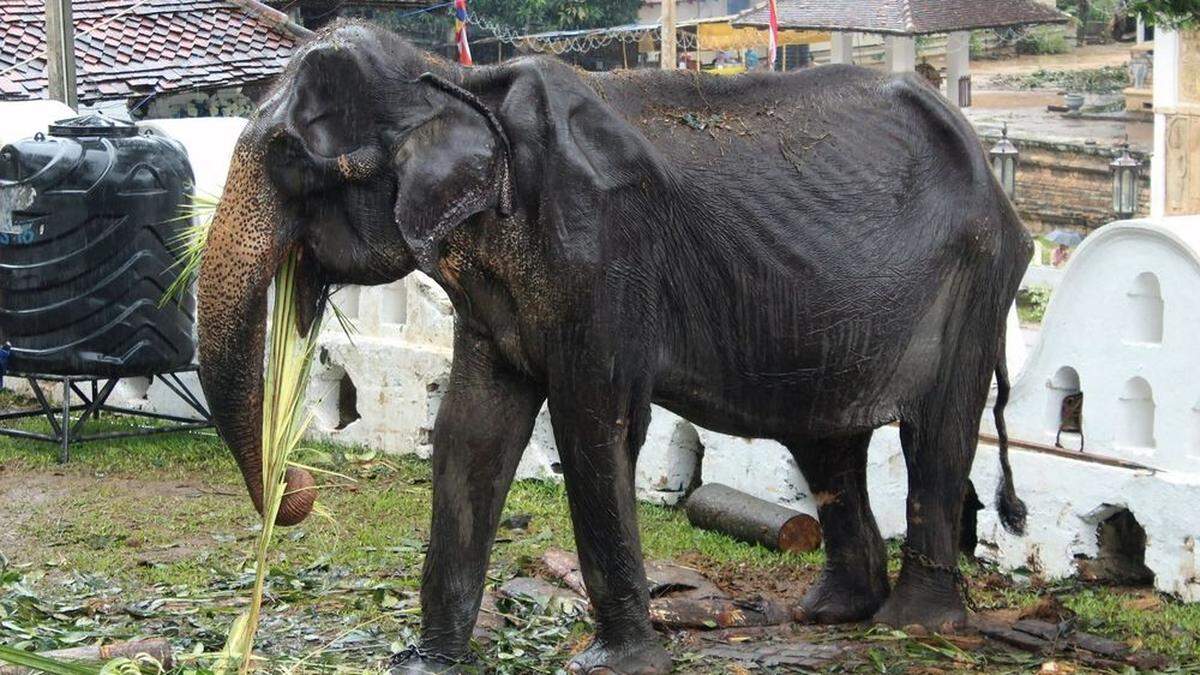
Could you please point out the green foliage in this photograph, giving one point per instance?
(1103, 80)
(149, 536)
(190, 242)
(1098, 10)
(1043, 40)
(42, 664)
(1032, 303)
(1169, 13)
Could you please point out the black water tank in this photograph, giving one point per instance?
(89, 222)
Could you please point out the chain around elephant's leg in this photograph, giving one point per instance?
(939, 447)
(854, 582)
(482, 427)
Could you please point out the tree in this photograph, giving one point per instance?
(1169, 13)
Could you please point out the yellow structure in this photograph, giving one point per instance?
(719, 33)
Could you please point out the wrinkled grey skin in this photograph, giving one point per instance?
(830, 253)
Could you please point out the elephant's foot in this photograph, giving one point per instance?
(641, 657)
(838, 598)
(928, 598)
(414, 661)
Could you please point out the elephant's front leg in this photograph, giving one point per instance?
(599, 428)
(482, 427)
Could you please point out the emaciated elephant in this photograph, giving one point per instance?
(801, 257)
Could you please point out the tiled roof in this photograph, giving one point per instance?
(906, 17)
(130, 48)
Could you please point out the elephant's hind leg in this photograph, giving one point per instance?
(939, 438)
(854, 582)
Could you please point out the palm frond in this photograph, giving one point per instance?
(38, 663)
(189, 244)
(284, 423)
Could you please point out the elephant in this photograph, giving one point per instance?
(801, 256)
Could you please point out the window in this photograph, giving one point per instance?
(1144, 322)
(1136, 415)
(1064, 408)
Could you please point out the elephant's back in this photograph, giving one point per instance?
(808, 141)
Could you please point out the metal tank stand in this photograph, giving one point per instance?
(67, 432)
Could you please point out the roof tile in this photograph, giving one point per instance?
(909, 17)
(129, 47)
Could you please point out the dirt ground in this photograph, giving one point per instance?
(153, 537)
(1081, 58)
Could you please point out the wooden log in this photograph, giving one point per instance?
(156, 648)
(1018, 639)
(723, 509)
(565, 567)
(1092, 643)
(679, 612)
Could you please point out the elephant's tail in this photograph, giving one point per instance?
(1012, 509)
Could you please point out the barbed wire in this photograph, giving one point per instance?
(584, 42)
(600, 38)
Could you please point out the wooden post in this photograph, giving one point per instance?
(667, 55)
(60, 52)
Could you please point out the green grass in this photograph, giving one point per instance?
(139, 520)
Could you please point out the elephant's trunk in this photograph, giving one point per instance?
(246, 245)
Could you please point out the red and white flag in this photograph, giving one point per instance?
(773, 44)
(460, 32)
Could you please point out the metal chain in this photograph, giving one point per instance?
(960, 579)
(410, 651)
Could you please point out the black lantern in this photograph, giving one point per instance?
(1005, 157)
(1125, 171)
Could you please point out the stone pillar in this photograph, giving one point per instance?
(958, 64)
(901, 53)
(1175, 171)
(841, 48)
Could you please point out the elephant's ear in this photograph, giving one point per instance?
(453, 166)
(325, 129)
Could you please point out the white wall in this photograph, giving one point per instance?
(1126, 313)
(23, 119)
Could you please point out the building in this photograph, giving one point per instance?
(167, 58)
(901, 22)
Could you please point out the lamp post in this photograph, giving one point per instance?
(1125, 170)
(1005, 157)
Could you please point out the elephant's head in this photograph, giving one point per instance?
(362, 158)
